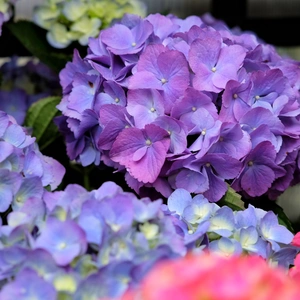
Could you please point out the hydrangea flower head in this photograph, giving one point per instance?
(68, 240)
(78, 20)
(194, 105)
(25, 170)
(101, 243)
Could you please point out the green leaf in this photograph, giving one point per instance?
(40, 118)
(232, 199)
(33, 38)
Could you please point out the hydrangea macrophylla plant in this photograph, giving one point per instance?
(77, 20)
(209, 276)
(78, 238)
(221, 107)
(228, 232)
(24, 169)
(101, 243)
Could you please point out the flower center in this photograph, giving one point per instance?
(221, 139)
(133, 44)
(203, 132)
(207, 165)
(214, 69)
(117, 100)
(19, 199)
(257, 97)
(194, 108)
(250, 163)
(164, 80)
(152, 109)
(62, 245)
(235, 96)
(148, 142)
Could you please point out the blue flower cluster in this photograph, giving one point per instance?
(24, 170)
(228, 232)
(75, 244)
(85, 244)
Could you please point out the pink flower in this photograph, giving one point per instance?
(296, 240)
(295, 271)
(213, 277)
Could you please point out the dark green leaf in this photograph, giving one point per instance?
(40, 118)
(232, 199)
(33, 38)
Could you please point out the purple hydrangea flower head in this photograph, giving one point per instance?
(201, 89)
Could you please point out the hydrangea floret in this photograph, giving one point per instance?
(184, 103)
(96, 244)
(77, 20)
